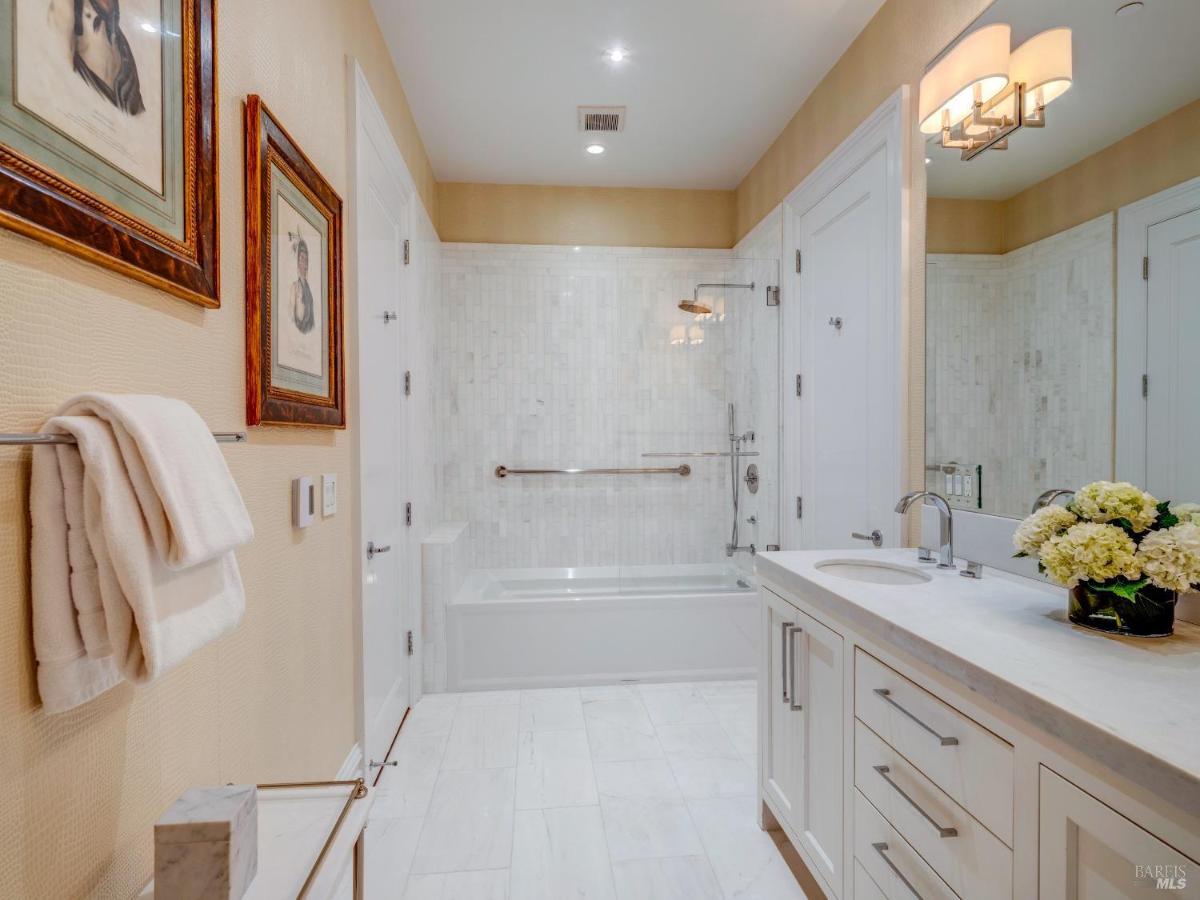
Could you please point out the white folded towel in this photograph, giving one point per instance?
(132, 560)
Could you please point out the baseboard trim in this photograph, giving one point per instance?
(353, 765)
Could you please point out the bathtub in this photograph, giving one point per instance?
(510, 628)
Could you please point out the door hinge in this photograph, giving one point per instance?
(407, 252)
(773, 295)
(799, 385)
(798, 266)
(408, 643)
(1145, 268)
(408, 384)
(1145, 385)
(799, 507)
(408, 514)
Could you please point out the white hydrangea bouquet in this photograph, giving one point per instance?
(1124, 555)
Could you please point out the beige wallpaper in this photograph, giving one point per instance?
(275, 699)
(622, 217)
(964, 226)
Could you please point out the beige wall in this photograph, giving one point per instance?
(1153, 159)
(544, 214)
(274, 700)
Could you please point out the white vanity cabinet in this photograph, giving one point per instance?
(802, 742)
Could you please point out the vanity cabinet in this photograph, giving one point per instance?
(803, 745)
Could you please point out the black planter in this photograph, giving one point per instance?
(1149, 613)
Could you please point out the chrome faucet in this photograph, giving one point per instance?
(946, 517)
(1045, 498)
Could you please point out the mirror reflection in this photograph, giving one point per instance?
(1055, 354)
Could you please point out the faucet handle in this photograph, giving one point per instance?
(875, 537)
(925, 555)
(973, 570)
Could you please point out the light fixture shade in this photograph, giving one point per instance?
(982, 58)
(1044, 64)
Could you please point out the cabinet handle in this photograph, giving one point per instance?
(881, 849)
(783, 655)
(942, 831)
(887, 695)
(796, 707)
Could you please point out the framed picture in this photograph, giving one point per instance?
(294, 366)
(108, 135)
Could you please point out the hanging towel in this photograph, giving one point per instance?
(134, 528)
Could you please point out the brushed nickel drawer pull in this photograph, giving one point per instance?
(887, 695)
(783, 655)
(796, 707)
(941, 830)
(881, 849)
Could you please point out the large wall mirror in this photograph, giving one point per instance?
(1055, 354)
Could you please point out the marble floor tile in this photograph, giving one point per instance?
(431, 717)
(484, 885)
(744, 858)
(672, 878)
(676, 707)
(560, 853)
(703, 740)
(404, 789)
(469, 824)
(489, 698)
(551, 709)
(701, 779)
(608, 691)
(644, 779)
(554, 768)
(648, 829)
(482, 737)
(619, 729)
(390, 845)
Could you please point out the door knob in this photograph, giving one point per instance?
(372, 550)
(875, 537)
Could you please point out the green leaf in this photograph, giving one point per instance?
(1164, 507)
(1121, 587)
(1166, 520)
(1020, 554)
(1124, 524)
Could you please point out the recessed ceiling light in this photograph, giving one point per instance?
(595, 149)
(616, 54)
(1126, 9)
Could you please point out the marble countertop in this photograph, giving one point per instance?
(1131, 704)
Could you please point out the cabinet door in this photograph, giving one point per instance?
(778, 728)
(818, 680)
(1088, 851)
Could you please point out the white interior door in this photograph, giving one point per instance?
(1173, 344)
(383, 223)
(848, 336)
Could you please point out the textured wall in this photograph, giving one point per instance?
(964, 226)
(274, 700)
(543, 214)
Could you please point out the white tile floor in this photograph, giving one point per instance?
(640, 792)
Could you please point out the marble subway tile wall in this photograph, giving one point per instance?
(557, 357)
(444, 567)
(1021, 364)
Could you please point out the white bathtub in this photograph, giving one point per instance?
(509, 628)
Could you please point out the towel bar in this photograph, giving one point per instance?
(221, 437)
(683, 471)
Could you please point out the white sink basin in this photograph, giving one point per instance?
(872, 572)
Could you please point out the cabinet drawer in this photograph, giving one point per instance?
(957, 754)
(865, 887)
(973, 861)
(895, 867)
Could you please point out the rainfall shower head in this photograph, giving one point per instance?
(698, 306)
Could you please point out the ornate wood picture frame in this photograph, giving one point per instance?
(108, 135)
(294, 315)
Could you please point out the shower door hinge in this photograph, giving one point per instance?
(407, 383)
(799, 507)
(1145, 268)
(408, 643)
(407, 252)
(799, 385)
(408, 514)
(1145, 385)
(772, 295)
(798, 266)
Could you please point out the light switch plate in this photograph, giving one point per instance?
(303, 501)
(328, 494)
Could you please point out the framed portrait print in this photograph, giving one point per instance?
(294, 365)
(108, 135)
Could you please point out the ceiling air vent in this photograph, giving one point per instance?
(599, 119)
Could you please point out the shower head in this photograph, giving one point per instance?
(698, 306)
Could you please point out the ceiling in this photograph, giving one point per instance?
(1128, 72)
(709, 84)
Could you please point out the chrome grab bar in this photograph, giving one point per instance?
(710, 454)
(881, 849)
(887, 695)
(34, 438)
(940, 829)
(682, 471)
